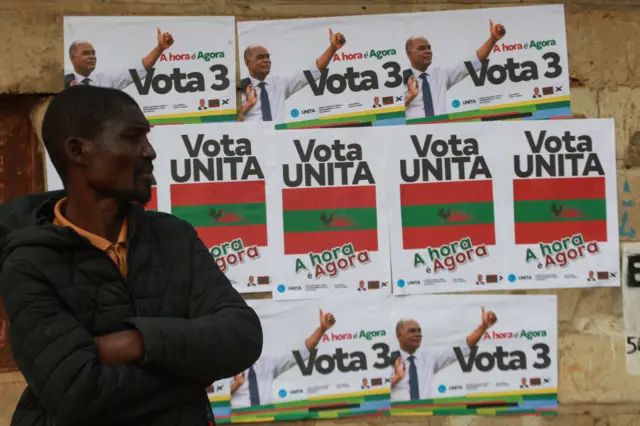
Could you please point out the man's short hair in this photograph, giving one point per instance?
(248, 50)
(74, 46)
(409, 44)
(79, 111)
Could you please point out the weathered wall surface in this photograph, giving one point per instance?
(604, 55)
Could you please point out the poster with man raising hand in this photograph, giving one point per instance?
(178, 69)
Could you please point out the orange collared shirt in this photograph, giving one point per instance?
(117, 252)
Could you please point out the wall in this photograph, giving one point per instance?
(604, 54)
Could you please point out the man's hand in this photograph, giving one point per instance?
(400, 369)
(336, 40)
(488, 318)
(326, 320)
(252, 96)
(413, 87)
(237, 382)
(239, 379)
(121, 347)
(497, 31)
(165, 40)
(73, 83)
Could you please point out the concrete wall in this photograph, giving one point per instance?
(604, 55)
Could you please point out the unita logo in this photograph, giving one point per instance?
(456, 103)
(295, 113)
(442, 388)
(281, 288)
(401, 283)
(282, 393)
(512, 278)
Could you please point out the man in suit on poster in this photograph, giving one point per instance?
(264, 94)
(253, 386)
(83, 58)
(427, 85)
(414, 370)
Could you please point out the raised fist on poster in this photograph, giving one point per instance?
(165, 40)
(497, 31)
(336, 40)
(326, 320)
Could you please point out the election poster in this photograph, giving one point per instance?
(474, 355)
(214, 177)
(488, 206)
(565, 205)
(498, 64)
(321, 359)
(178, 69)
(326, 220)
(321, 72)
(485, 64)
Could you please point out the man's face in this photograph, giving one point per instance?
(536, 91)
(410, 336)
(84, 58)
(259, 61)
(119, 162)
(376, 100)
(202, 102)
(420, 53)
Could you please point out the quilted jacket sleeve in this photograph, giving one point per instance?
(59, 360)
(222, 336)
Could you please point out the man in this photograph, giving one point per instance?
(117, 316)
(524, 384)
(536, 93)
(427, 86)
(365, 384)
(202, 106)
(83, 58)
(264, 94)
(376, 102)
(252, 281)
(254, 385)
(414, 370)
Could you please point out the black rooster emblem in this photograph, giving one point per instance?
(326, 220)
(215, 214)
(443, 214)
(555, 210)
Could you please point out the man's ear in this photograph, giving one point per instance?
(77, 150)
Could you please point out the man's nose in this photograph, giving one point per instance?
(148, 151)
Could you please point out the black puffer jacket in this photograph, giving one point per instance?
(60, 291)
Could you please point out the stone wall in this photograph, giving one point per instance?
(604, 55)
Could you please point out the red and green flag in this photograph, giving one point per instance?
(223, 211)
(551, 209)
(318, 219)
(438, 213)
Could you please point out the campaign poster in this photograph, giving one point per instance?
(445, 207)
(321, 359)
(485, 64)
(497, 206)
(564, 199)
(326, 219)
(214, 177)
(498, 64)
(474, 355)
(321, 72)
(178, 69)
